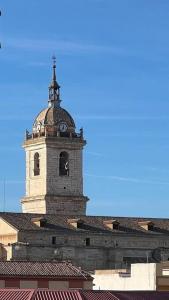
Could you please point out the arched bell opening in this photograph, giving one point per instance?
(64, 164)
(36, 164)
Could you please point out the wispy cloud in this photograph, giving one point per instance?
(61, 46)
(70, 47)
(121, 117)
(97, 154)
(95, 117)
(129, 179)
(38, 64)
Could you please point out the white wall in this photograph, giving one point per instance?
(142, 277)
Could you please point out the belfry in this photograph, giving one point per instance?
(54, 175)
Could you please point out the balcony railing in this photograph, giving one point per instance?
(52, 134)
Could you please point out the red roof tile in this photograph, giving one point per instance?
(12, 294)
(57, 295)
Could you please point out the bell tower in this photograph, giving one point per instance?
(54, 179)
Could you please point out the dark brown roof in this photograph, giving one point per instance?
(41, 269)
(98, 295)
(125, 295)
(90, 224)
(141, 295)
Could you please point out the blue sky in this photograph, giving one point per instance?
(113, 68)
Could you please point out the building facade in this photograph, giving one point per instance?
(46, 275)
(139, 277)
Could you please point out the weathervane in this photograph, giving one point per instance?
(54, 60)
(54, 93)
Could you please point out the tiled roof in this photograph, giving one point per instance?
(141, 295)
(6, 294)
(41, 269)
(98, 295)
(92, 224)
(57, 295)
(81, 295)
(53, 115)
(125, 295)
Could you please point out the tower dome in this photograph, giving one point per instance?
(54, 120)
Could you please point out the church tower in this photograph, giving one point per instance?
(54, 179)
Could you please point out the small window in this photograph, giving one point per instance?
(64, 164)
(12, 283)
(43, 284)
(87, 241)
(151, 227)
(36, 164)
(53, 240)
(75, 284)
(116, 226)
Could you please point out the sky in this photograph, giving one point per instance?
(113, 68)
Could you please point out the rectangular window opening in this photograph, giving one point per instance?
(87, 241)
(53, 240)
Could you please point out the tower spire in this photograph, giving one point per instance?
(54, 68)
(54, 88)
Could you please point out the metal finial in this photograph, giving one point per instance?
(54, 67)
(54, 60)
(54, 93)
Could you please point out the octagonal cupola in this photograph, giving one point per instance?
(54, 120)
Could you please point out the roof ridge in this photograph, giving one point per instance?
(79, 270)
(84, 216)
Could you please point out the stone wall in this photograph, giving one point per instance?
(71, 185)
(104, 252)
(49, 192)
(35, 185)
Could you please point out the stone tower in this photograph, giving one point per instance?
(54, 179)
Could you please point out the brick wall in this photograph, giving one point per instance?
(33, 283)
